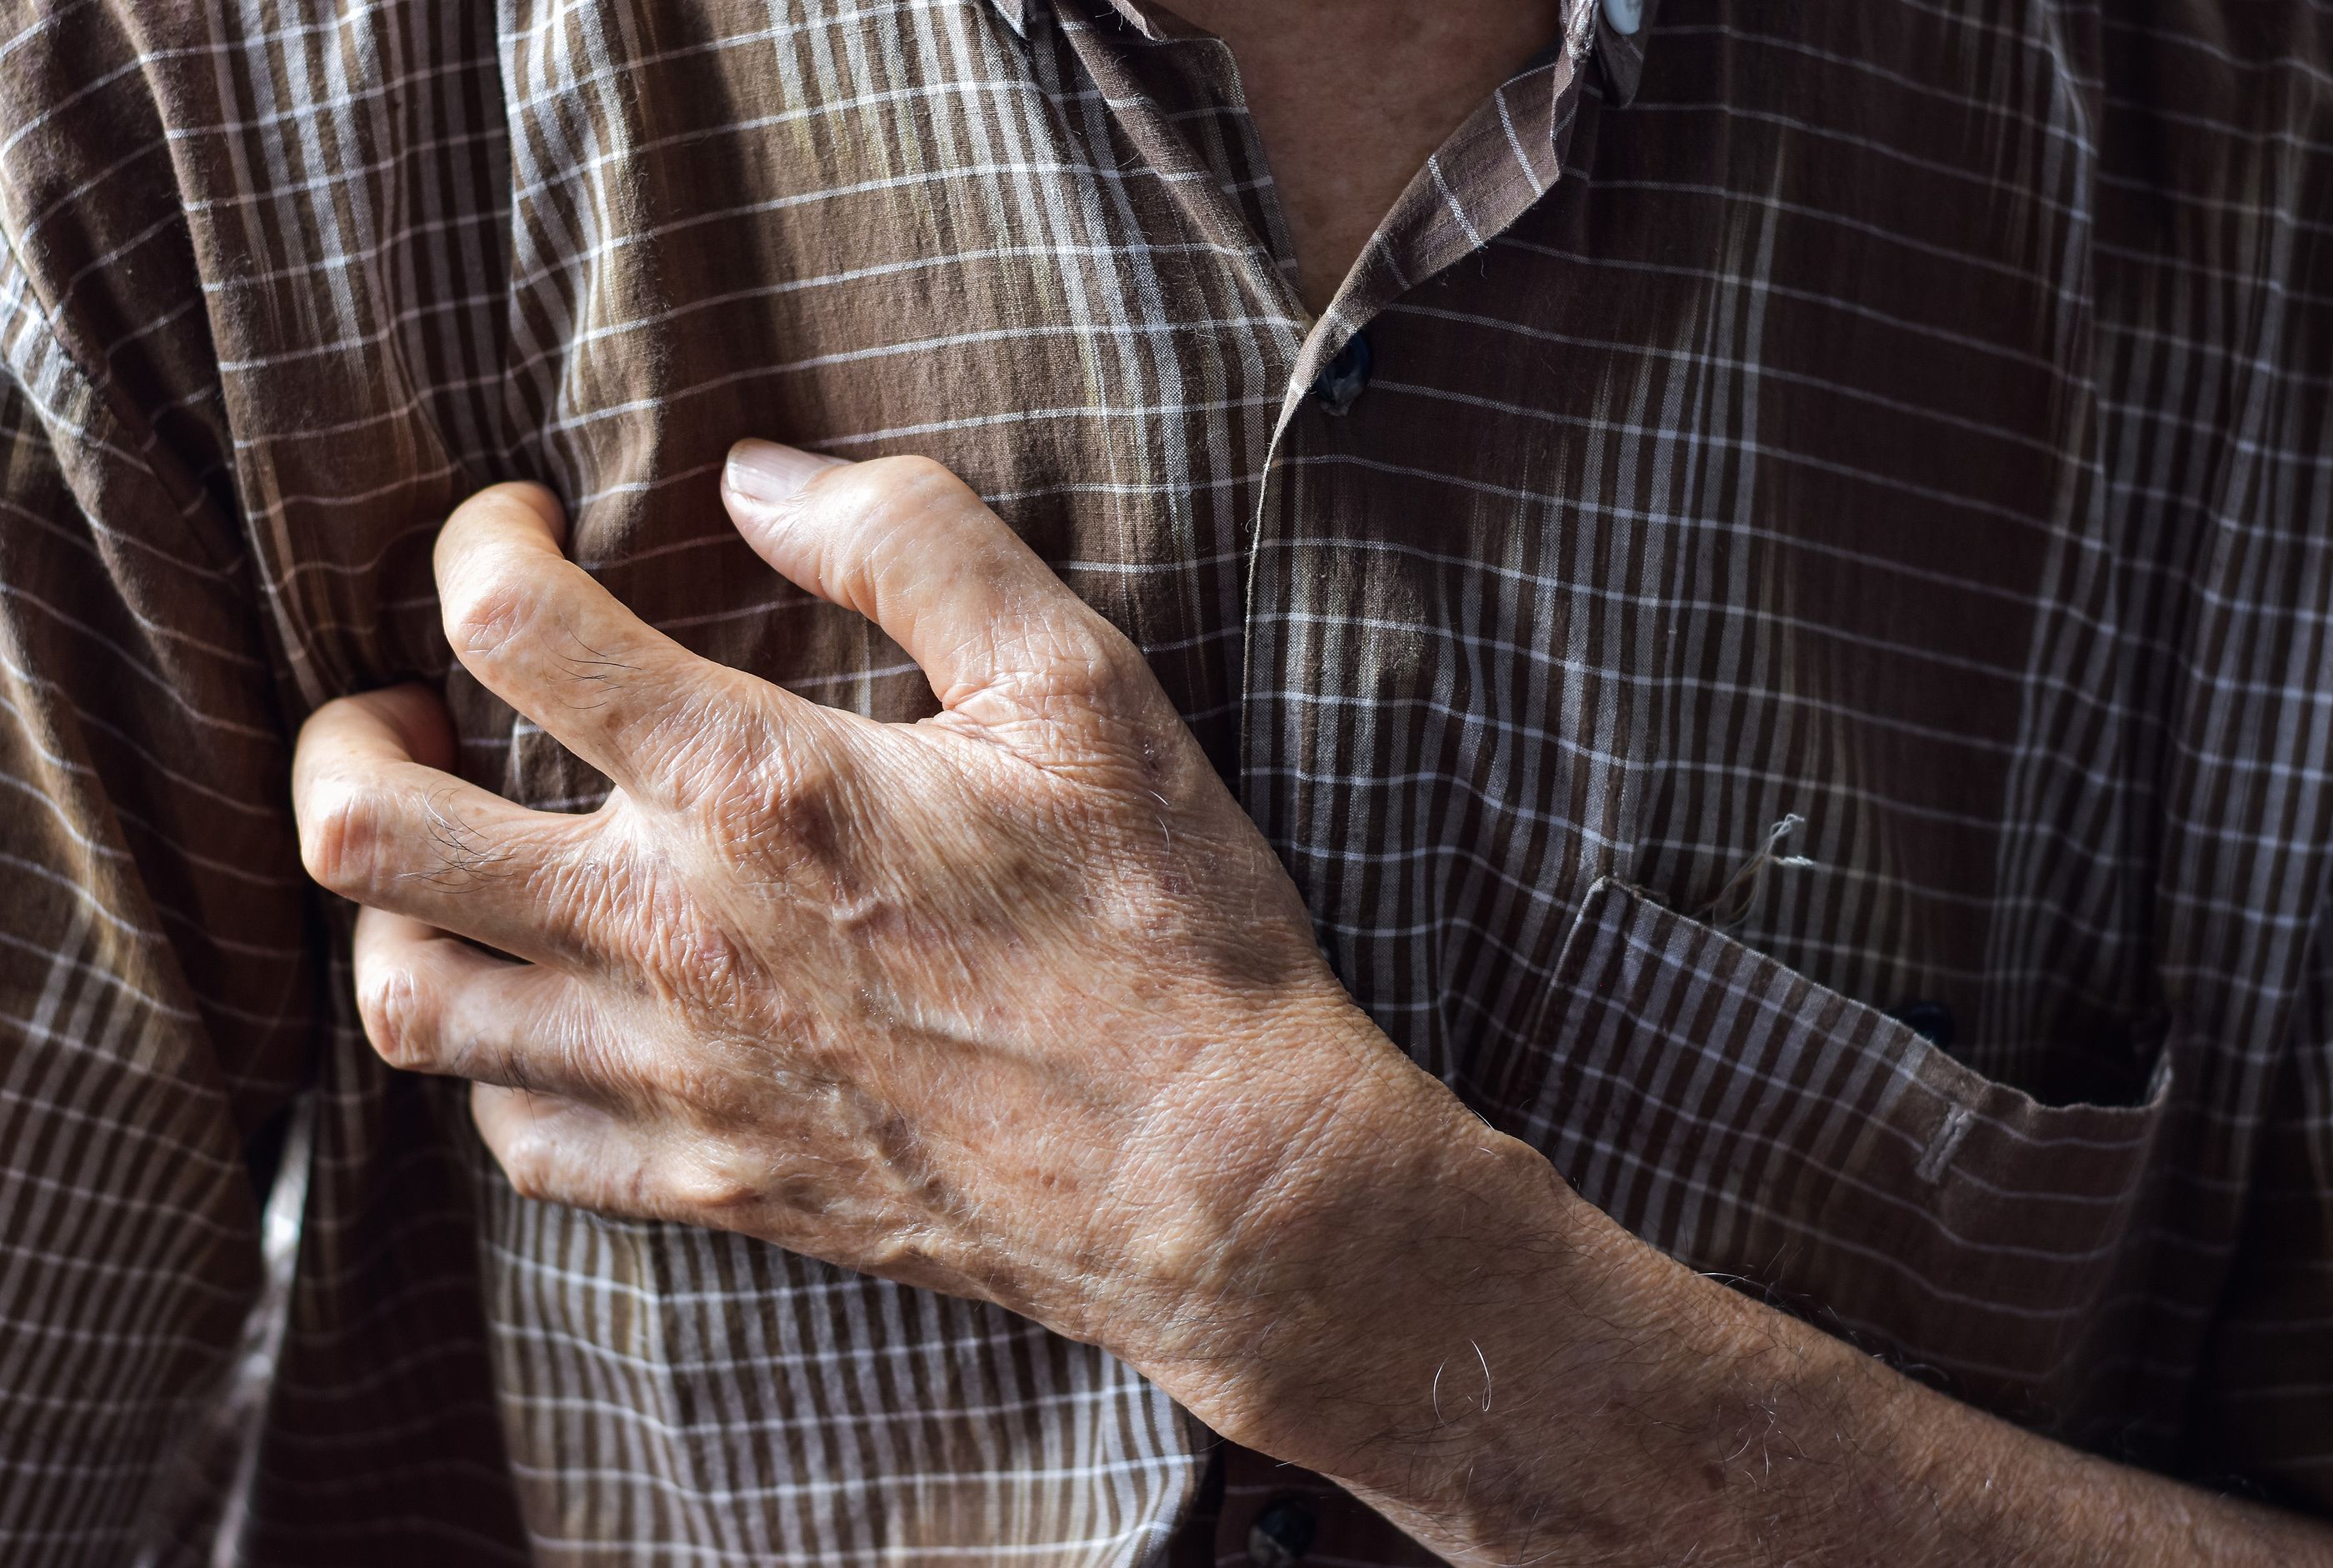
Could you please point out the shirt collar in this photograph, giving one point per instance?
(1611, 30)
(1016, 14)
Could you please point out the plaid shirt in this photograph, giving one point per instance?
(1782, 623)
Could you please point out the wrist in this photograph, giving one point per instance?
(1400, 1281)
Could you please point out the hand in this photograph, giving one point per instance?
(1014, 1003)
(1011, 1002)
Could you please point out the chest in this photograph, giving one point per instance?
(1643, 537)
(1747, 584)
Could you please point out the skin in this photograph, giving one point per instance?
(1015, 1004)
(1352, 96)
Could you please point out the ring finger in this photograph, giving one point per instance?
(432, 1003)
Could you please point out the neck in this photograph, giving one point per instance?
(1352, 96)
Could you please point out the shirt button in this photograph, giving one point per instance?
(1342, 384)
(1931, 1020)
(1624, 16)
(1280, 1535)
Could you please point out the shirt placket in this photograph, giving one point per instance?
(1502, 161)
(1506, 158)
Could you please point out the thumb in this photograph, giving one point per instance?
(911, 546)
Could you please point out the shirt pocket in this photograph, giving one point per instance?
(1820, 1153)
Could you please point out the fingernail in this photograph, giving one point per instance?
(766, 472)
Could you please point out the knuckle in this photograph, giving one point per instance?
(757, 781)
(487, 601)
(910, 481)
(530, 1164)
(799, 824)
(389, 1004)
(341, 835)
(1090, 661)
(706, 1186)
(704, 962)
(804, 777)
(1107, 657)
(892, 499)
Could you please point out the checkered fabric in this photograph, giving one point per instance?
(1799, 678)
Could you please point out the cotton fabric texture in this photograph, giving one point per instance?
(1903, 424)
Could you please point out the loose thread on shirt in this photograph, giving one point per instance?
(1741, 891)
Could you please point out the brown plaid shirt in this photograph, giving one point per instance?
(1782, 622)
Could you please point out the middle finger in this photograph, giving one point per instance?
(382, 830)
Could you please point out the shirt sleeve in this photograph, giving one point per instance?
(157, 988)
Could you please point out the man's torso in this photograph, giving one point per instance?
(1841, 532)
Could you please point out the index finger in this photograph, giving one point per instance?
(542, 634)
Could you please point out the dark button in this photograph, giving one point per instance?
(1342, 384)
(1931, 1020)
(1281, 1535)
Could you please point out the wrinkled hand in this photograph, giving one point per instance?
(1012, 1003)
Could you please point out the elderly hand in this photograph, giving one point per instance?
(1012, 1003)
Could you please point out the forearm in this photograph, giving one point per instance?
(1462, 1340)
(1016, 1004)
